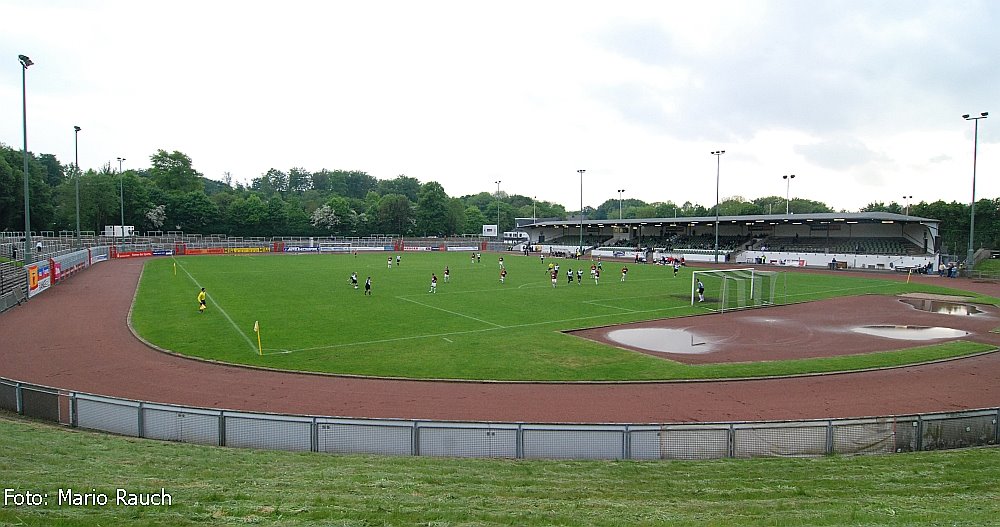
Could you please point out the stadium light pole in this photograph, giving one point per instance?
(121, 190)
(534, 201)
(25, 62)
(76, 163)
(620, 192)
(907, 198)
(718, 164)
(972, 212)
(581, 171)
(498, 208)
(788, 186)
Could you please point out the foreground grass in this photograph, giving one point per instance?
(472, 328)
(217, 486)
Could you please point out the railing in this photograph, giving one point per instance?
(874, 435)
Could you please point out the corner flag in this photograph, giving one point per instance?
(256, 329)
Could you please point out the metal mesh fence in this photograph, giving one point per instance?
(182, 424)
(365, 437)
(269, 432)
(694, 441)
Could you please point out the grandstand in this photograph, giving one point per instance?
(873, 240)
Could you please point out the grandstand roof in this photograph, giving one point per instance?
(823, 217)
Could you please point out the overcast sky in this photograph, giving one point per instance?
(861, 100)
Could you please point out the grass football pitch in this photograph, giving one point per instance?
(473, 327)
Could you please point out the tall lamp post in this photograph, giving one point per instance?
(718, 164)
(121, 190)
(76, 159)
(25, 62)
(972, 213)
(788, 186)
(620, 192)
(498, 208)
(907, 198)
(581, 171)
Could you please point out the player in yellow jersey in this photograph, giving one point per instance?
(201, 300)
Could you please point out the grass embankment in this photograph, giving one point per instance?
(217, 486)
(473, 327)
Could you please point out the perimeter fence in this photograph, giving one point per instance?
(407, 437)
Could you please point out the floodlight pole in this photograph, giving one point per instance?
(972, 213)
(581, 171)
(76, 163)
(121, 190)
(498, 208)
(907, 198)
(620, 192)
(788, 186)
(25, 62)
(718, 164)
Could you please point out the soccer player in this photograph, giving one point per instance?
(569, 276)
(503, 275)
(368, 286)
(388, 262)
(434, 283)
(201, 301)
(501, 262)
(677, 267)
(447, 274)
(597, 276)
(624, 272)
(555, 277)
(354, 279)
(701, 291)
(579, 276)
(398, 258)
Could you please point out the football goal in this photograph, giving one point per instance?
(728, 289)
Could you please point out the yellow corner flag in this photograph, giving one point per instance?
(256, 329)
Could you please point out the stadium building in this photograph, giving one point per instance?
(866, 240)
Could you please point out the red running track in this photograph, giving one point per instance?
(75, 337)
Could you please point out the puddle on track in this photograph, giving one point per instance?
(661, 340)
(911, 332)
(938, 306)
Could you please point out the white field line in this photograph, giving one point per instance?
(515, 326)
(596, 303)
(450, 312)
(472, 331)
(223, 311)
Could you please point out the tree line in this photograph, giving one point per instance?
(171, 195)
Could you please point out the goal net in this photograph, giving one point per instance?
(728, 289)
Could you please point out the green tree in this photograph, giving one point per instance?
(299, 180)
(246, 216)
(192, 212)
(55, 172)
(474, 220)
(403, 185)
(432, 210)
(173, 172)
(395, 214)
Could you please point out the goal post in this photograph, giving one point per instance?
(730, 289)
